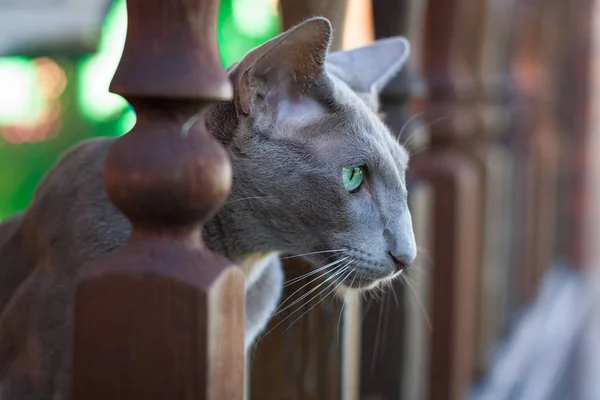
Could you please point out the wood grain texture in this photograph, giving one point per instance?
(491, 73)
(171, 312)
(577, 80)
(454, 176)
(535, 146)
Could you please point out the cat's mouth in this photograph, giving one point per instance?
(362, 280)
(351, 271)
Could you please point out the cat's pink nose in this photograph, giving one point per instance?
(401, 262)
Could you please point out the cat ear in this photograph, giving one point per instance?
(275, 77)
(368, 69)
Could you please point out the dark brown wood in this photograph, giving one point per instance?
(454, 174)
(453, 275)
(547, 140)
(491, 59)
(569, 81)
(171, 312)
(535, 149)
(293, 12)
(579, 77)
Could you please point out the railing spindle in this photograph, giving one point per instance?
(163, 317)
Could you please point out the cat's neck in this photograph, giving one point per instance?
(225, 236)
(229, 232)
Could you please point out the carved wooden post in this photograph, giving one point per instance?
(305, 357)
(293, 12)
(162, 317)
(535, 150)
(583, 55)
(571, 111)
(454, 176)
(547, 140)
(581, 78)
(492, 58)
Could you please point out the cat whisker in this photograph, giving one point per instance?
(342, 313)
(411, 286)
(419, 268)
(413, 134)
(414, 153)
(337, 335)
(314, 271)
(261, 336)
(365, 311)
(191, 121)
(318, 302)
(393, 289)
(344, 269)
(314, 252)
(376, 346)
(280, 309)
(386, 304)
(423, 252)
(406, 124)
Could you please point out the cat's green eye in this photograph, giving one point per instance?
(352, 177)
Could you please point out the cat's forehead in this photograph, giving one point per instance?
(363, 128)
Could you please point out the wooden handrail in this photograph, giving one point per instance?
(163, 317)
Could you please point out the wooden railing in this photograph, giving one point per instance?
(494, 103)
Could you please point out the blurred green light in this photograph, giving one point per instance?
(127, 121)
(21, 100)
(243, 24)
(254, 18)
(96, 72)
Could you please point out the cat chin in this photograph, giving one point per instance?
(344, 289)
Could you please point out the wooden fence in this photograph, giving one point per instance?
(495, 103)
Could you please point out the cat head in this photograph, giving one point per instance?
(316, 171)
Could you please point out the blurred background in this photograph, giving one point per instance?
(499, 108)
(57, 93)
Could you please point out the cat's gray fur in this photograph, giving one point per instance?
(294, 123)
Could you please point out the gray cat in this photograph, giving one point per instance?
(315, 172)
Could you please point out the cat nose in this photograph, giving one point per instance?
(401, 261)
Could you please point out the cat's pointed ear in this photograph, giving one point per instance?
(274, 77)
(369, 68)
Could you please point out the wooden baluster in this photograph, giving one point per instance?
(568, 111)
(293, 12)
(497, 161)
(547, 141)
(306, 357)
(391, 368)
(528, 74)
(163, 317)
(581, 30)
(454, 177)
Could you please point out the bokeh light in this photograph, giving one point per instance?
(21, 99)
(96, 71)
